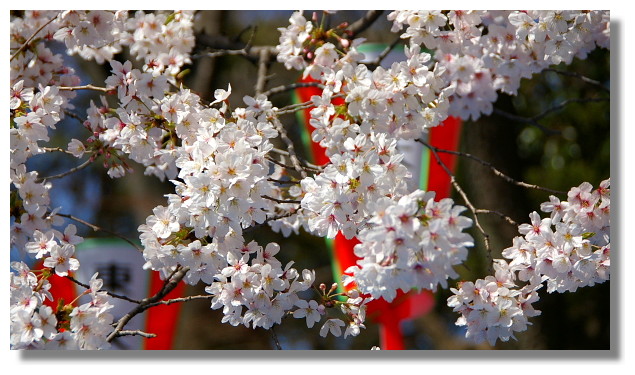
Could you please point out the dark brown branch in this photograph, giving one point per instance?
(284, 182)
(224, 46)
(280, 200)
(384, 53)
(525, 120)
(75, 116)
(169, 284)
(290, 149)
(493, 169)
(308, 165)
(502, 215)
(275, 339)
(534, 119)
(107, 292)
(564, 103)
(363, 23)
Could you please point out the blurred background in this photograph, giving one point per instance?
(578, 150)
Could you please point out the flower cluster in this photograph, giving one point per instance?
(380, 108)
(571, 248)
(36, 325)
(495, 307)
(305, 46)
(162, 40)
(575, 254)
(259, 285)
(488, 51)
(413, 242)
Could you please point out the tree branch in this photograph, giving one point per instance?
(291, 86)
(579, 76)
(178, 300)
(107, 292)
(280, 200)
(502, 215)
(135, 333)
(228, 47)
(170, 283)
(70, 171)
(100, 229)
(363, 23)
(290, 149)
(28, 41)
(274, 336)
(534, 119)
(84, 87)
(469, 205)
(263, 66)
(492, 168)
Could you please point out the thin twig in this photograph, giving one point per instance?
(28, 41)
(70, 171)
(284, 182)
(502, 215)
(286, 166)
(579, 76)
(290, 149)
(74, 115)
(275, 338)
(469, 204)
(169, 285)
(97, 228)
(292, 86)
(525, 120)
(534, 119)
(317, 168)
(280, 200)
(269, 219)
(224, 46)
(492, 168)
(565, 103)
(292, 108)
(107, 292)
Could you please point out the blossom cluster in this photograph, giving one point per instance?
(495, 307)
(260, 285)
(308, 47)
(413, 242)
(575, 254)
(35, 325)
(571, 248)
(488, 51)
